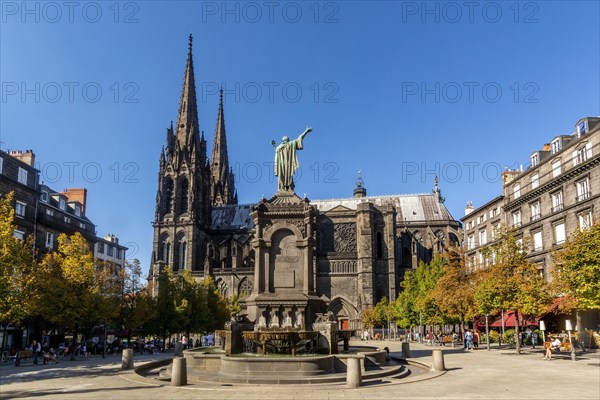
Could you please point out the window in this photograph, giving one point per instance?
(67, 220)
(109, 251)
(556, 146)
(535, 180)
(1, 164)
(49, 240)
(517, 191)
(494, 212)
(559, 233)
(537, 241)
(556, 171)
(182, 255)
(44, 196)
(19, 234)
(49, 212)
(581, 128)
(557, 201)
(379, 246)
(471, 242)
(516, 216)
(482, 237)
(183, 207)
(62, 204)
(535, 159)
(22, 178)
(583, 189)
(582, 154)
(585, 220)
(20, 209)
(519, 243)
(495, 231)
(482, 219)
(119, 254)
(535, 211)
(77, 210)
(101, 248)
(81, 225)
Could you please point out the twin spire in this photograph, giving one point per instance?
(187, 118)
(222, 190)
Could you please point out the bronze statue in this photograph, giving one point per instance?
(286, 162)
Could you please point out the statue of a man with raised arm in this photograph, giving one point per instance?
(286, 162)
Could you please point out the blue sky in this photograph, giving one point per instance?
(401, 90)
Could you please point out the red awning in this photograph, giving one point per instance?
(509, 321)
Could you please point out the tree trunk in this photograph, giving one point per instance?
(74, 344)
(517, 336)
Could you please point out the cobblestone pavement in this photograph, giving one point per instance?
(498, 374)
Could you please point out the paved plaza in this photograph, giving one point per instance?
(498, 374)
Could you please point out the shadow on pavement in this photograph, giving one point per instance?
(19, 394)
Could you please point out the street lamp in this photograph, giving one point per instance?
(487, 331)
(569, 328)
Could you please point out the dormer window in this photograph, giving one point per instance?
(62, 204)
(582, 154)
(77, 210)
(581, 128)
(556, 146)
(535, 159)
(44, 196)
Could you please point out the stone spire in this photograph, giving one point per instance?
(222, 188)
(436, 190)
(187, 119)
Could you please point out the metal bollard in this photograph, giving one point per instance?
(438, 360)
(127, 359)
(179, 372)
(353, 372)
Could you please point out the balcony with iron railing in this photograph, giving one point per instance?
(558, 207)
(584, 196)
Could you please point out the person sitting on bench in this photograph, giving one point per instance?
(554, 346)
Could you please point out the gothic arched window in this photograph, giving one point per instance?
(166, 252)
(183, 196)
(168, 196)
(379, 246)
(182, 255)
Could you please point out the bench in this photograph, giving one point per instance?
(566, 346)
(22, 355)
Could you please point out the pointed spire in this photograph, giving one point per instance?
(187, 118)
(223, 189)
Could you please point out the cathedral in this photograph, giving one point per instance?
(285, 254)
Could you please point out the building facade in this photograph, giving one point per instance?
(43, 212)
(556, 195)
(544, 204)
(355, 250)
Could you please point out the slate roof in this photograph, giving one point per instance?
(409, 207)
(232, 217)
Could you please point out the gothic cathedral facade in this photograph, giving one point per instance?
(364, 244)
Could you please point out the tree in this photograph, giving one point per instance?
(576, 274)
(405, 312)
(427, 279)
(17, 264)
(68, 285)
(454, 292)
(511, 282)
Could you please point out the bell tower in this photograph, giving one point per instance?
(182, 213)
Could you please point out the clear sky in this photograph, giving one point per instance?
(402, 90)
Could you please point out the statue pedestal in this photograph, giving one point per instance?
(327, 336)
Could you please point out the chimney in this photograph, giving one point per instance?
(547, 147)
(469, 208)
(509, 175)
(28, 157)
(77, 194)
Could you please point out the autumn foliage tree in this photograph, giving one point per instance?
(17, 265)
(455, 288)
(576, 274)
(510, 281)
